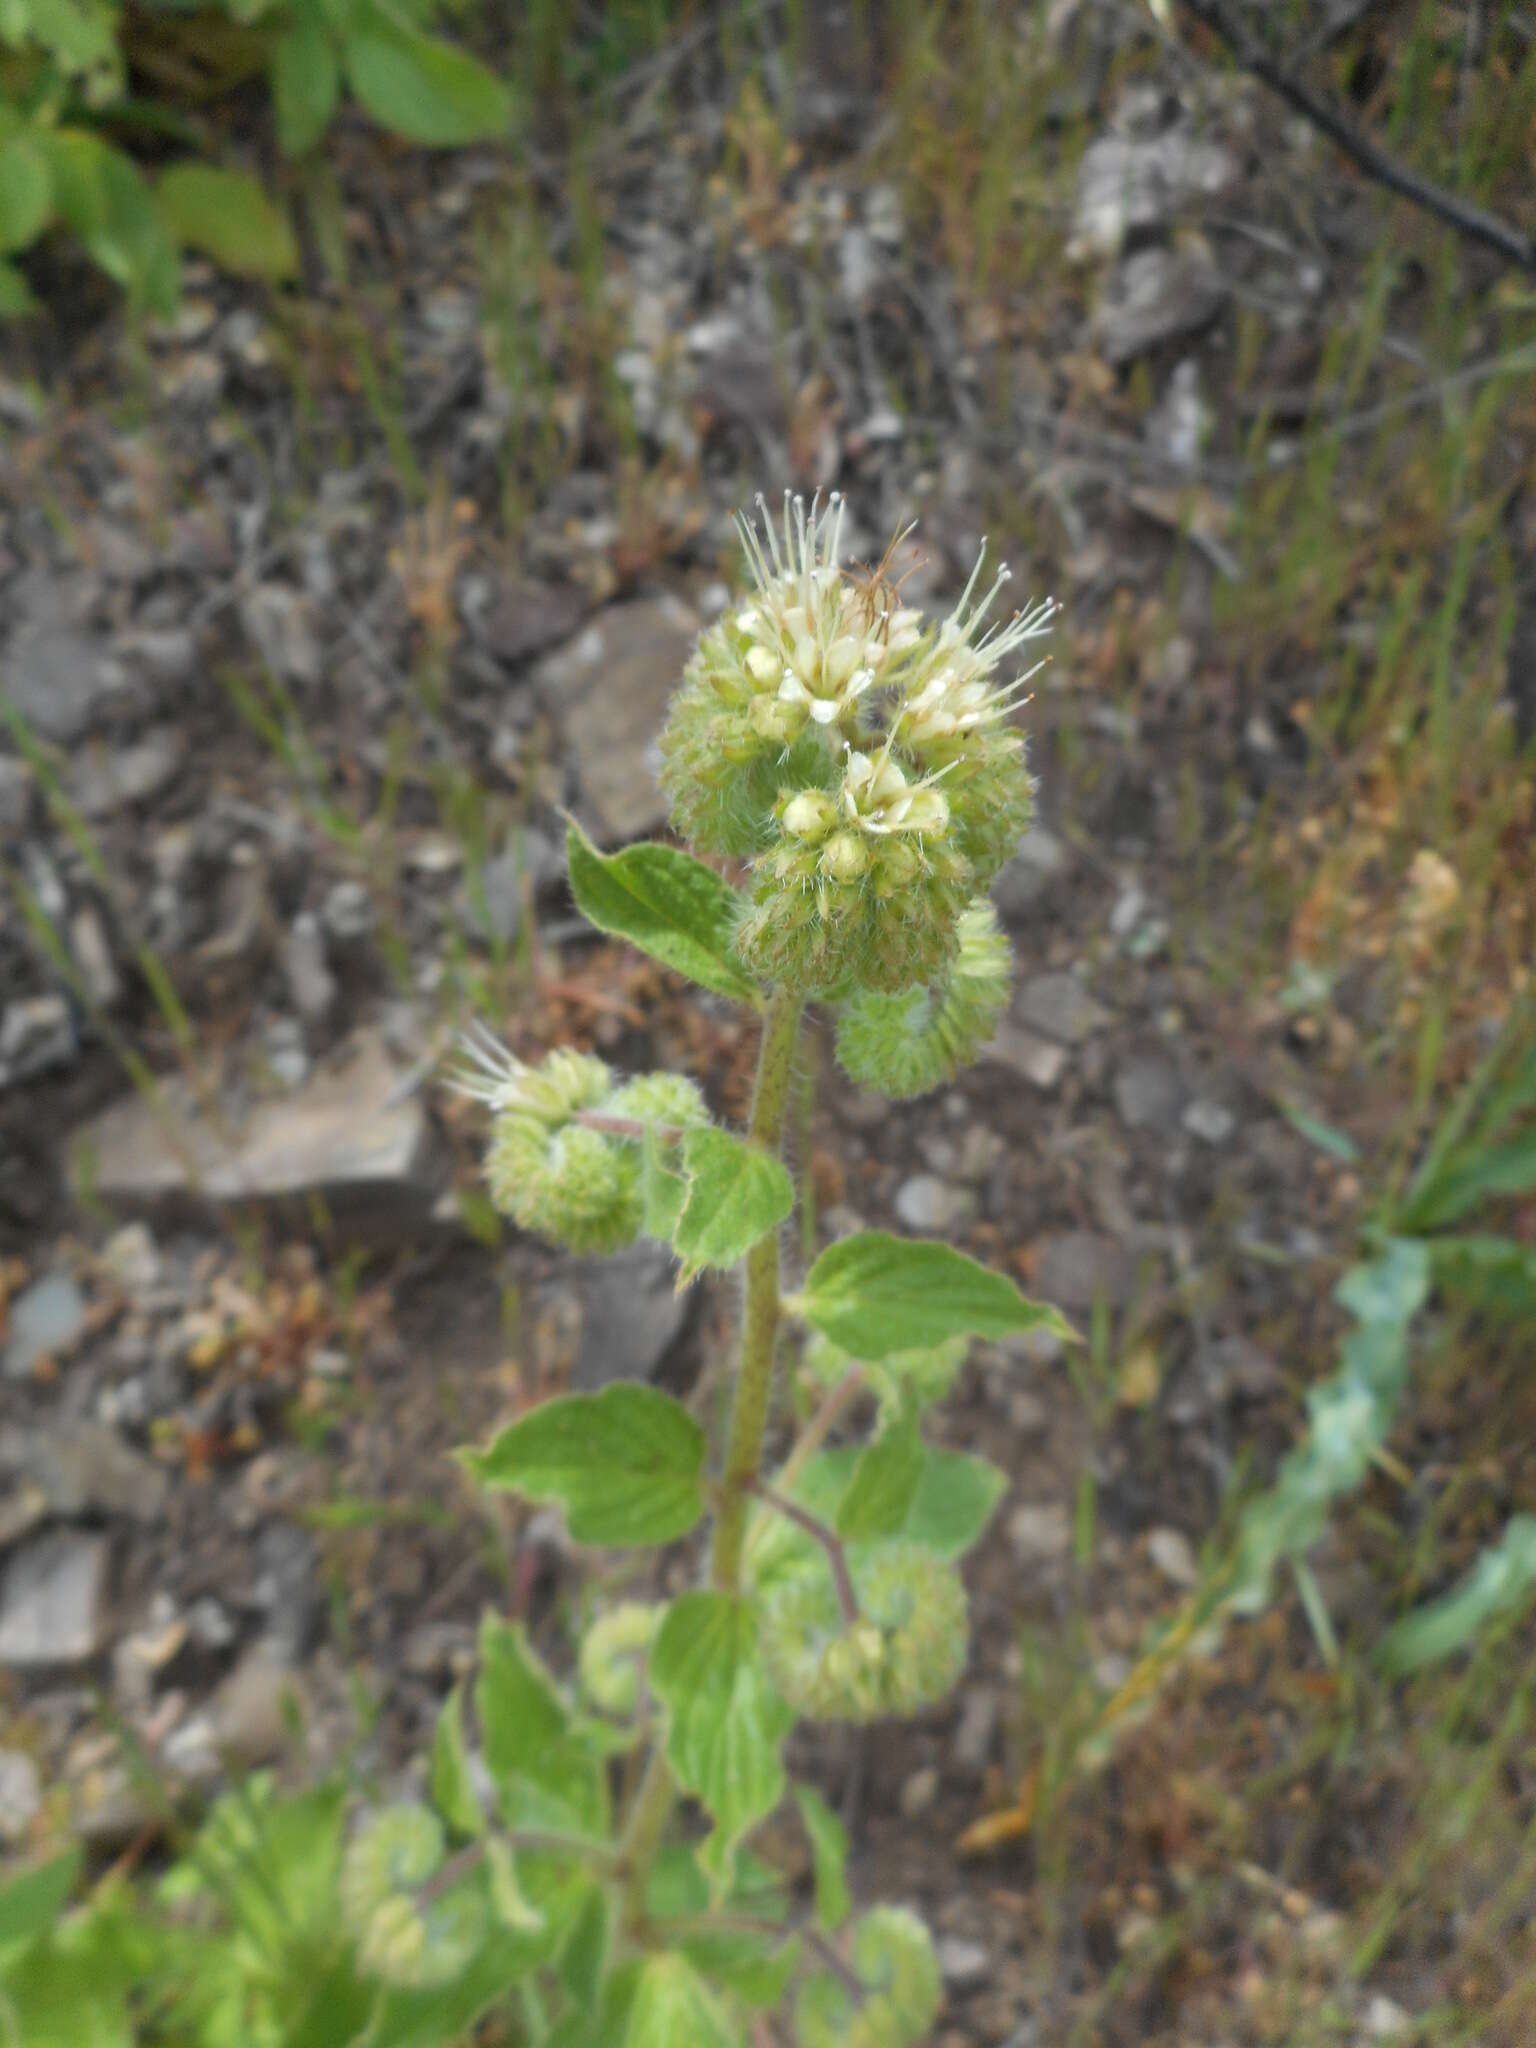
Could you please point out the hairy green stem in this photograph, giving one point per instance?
(760, 1319)
(652, 1807)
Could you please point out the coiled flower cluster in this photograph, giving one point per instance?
(905, 1652)
(565, 1155)
(864, 760)
(893, 1956)
(403, 1935)
(904, 1044)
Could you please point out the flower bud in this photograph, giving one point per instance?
(909, 1043)
(399, 1939)
(810, 815)
(845, 857)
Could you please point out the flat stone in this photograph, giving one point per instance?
(1076, 1268)
(1058, 1006)
(92, 949)
(963, 1963)
(51, 670)
(1041, 1062)
(21, 1795)
(1174, 1556)
(15, 796)
(1148, 1094)
(611, 686)
(929, 1204)
(1154, 296)
(1209, 1121)
(1040, 1532)
(115, 779)
(85, 1468)
(1039, 859)
(980, 1714)
(52, 1601)
(46, 1319)
(249, 1710)
(132, 1258)
(343, 1137)
(522, 618)
(1129, 182)
(277, 622)
(36, 1035)
(631, 1315)
(307, 971)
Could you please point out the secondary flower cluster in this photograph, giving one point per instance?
(566, 1153)
(865, 761)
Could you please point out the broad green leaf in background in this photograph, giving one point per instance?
(885, 1482)
(16, 295)
(228, 216)
(666, 903)
(955, 1498)
(674, 2008)
(875, 1294)
(545, 1770)
(1502, 1582)
(100, 194)
(453, 1785)
(26, 192)
(736, 1194)
(306, 83)
(726, 1724)
(662, 1190)
(627, 1465)
(420, 87)
(829, 1857)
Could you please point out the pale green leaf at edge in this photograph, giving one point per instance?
(227, 215)
(546, 1771)
(667, 904)
(306, 84)
(32, 1901)
(736, 1194)
(955, 1499)
(453, 1786)
(1501, 1583)
(627, 1465)
(876, 1294)
(1495, 1274)
(674, 2008)
(829, 1857)
(16, 295)
(662, 1191)
(26, 193)
(725, 1723)
(422, 88)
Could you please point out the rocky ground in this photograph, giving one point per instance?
(313, 616)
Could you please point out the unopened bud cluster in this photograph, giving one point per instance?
(566, 1150)
(864, 760)
(894, 1957)
(402, 1935)
(905, 1651)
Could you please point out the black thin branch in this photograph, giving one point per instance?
(829, 1540)
(1467, 219)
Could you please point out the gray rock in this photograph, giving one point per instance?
(45, 1320)
(920, 1792)
(1040, 1062)
(15, 796)
(1173, 1554)
(21, 1795)
(929, 1204)
(277, 622)
(348, 913)
(980, 1713)
(52, 671)
(115, 779)
(307, 971)
(1128, 182)
(1148, 1094)
(37, 1033)
(209, 1624)
(52, 1601)
(93, 956)
(520, 619)
(84, 1468)
(964, 1963)
(1076, 1268)
(631, 1315)
(1130, 907)
(1059, 1007)
(1209, 1121)
(611, 686)
(166, 657)
(1040, 1533)
(251, 1709)
(1157, 295)
(1040, 858)
(132, 1258)
(344, 1137)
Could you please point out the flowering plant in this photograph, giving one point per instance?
(865, 764)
